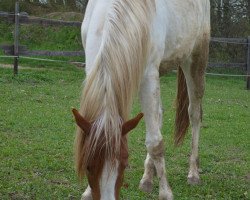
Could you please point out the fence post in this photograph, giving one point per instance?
(16, 38)
(248, 63)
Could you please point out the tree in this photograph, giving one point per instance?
(230, 18)
(71, 4)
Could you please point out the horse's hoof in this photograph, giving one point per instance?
(168, 195)
(146, 186)
(193, 180)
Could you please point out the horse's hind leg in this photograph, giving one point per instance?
(151, 106)
(195, 78)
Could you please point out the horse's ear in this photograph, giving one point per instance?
(131, 124)
(81, 122)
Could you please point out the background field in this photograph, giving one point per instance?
(37, 133)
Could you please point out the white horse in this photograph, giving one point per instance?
(126, 42)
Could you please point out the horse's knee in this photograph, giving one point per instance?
(156, 149)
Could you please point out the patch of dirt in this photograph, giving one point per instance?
(9, 66)
(60, 182)
(247, 177)
(19, 67)
(65, 16)
(16, 196)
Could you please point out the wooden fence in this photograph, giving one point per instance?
(17, 50)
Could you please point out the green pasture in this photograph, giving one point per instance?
(37, 133)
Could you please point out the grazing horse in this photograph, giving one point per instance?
(126, 43)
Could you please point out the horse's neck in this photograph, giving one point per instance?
(120, 61)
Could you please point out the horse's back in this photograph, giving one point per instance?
(177, 28)
(92, 29)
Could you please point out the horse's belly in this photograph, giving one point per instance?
(168, 66)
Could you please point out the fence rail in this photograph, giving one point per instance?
(23, 51)
(241, 66)
(230, 40)
(18, 51)
(25, 19)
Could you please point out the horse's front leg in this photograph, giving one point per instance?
(151, 106)
(87, 194)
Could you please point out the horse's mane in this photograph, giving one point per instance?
(115, 77)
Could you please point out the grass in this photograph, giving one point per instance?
(36, 37)
(37, 133)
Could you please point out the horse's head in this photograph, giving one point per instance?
(104, 173)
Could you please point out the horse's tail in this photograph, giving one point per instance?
(182, 102)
